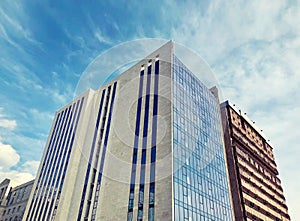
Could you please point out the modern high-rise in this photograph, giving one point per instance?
(255, 186)
(147, 145)
(13, 200)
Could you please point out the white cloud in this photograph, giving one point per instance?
(284, 135)
(16, 25)
(22, 78)
(9, 158)
(101, 37)
(60, 96)
(226, 25)
(264, 78)
(40, 115)
(6, 37)
(254, 48)
(16, 177)
(8, 124)
(98, 34)
(264, 82)
(31, 166)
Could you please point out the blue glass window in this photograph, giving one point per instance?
(198, 151)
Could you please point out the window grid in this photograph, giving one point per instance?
(200, 179)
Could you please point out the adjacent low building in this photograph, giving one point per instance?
(14, 200)
(255, 186)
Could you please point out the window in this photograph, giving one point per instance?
(196, 138)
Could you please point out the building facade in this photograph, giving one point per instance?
(14, 203)
(255, 186)
(145, 146)
(4, 189)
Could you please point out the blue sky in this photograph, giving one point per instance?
(253, 47)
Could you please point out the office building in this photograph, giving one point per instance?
(255, 186)
(145, 146)
(14, 200)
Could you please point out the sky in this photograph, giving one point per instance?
(253, 48)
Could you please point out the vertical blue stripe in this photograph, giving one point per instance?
(54, 165)
(135, 147)
(69, 132)
(153, 146)
(47, 166)
(68, 156)
(54, 131)
(97, 154)
(90, 157)
(59, 164)
(96, 194)
(144, 148)
(106, 138)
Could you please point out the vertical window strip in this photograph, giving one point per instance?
(68, 157)
(94, 172)
(153, 145)
(59, 164)
(135, 148)
(99, 143)
(90, 158)
(49, 149)
(54, 186)
(50, 146)
(183, 178)
(144, 148)
(105, 141)
(53, 165)
(47, 166)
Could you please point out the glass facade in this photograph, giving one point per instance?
(200, 179)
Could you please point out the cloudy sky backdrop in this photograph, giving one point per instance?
(253, 47)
